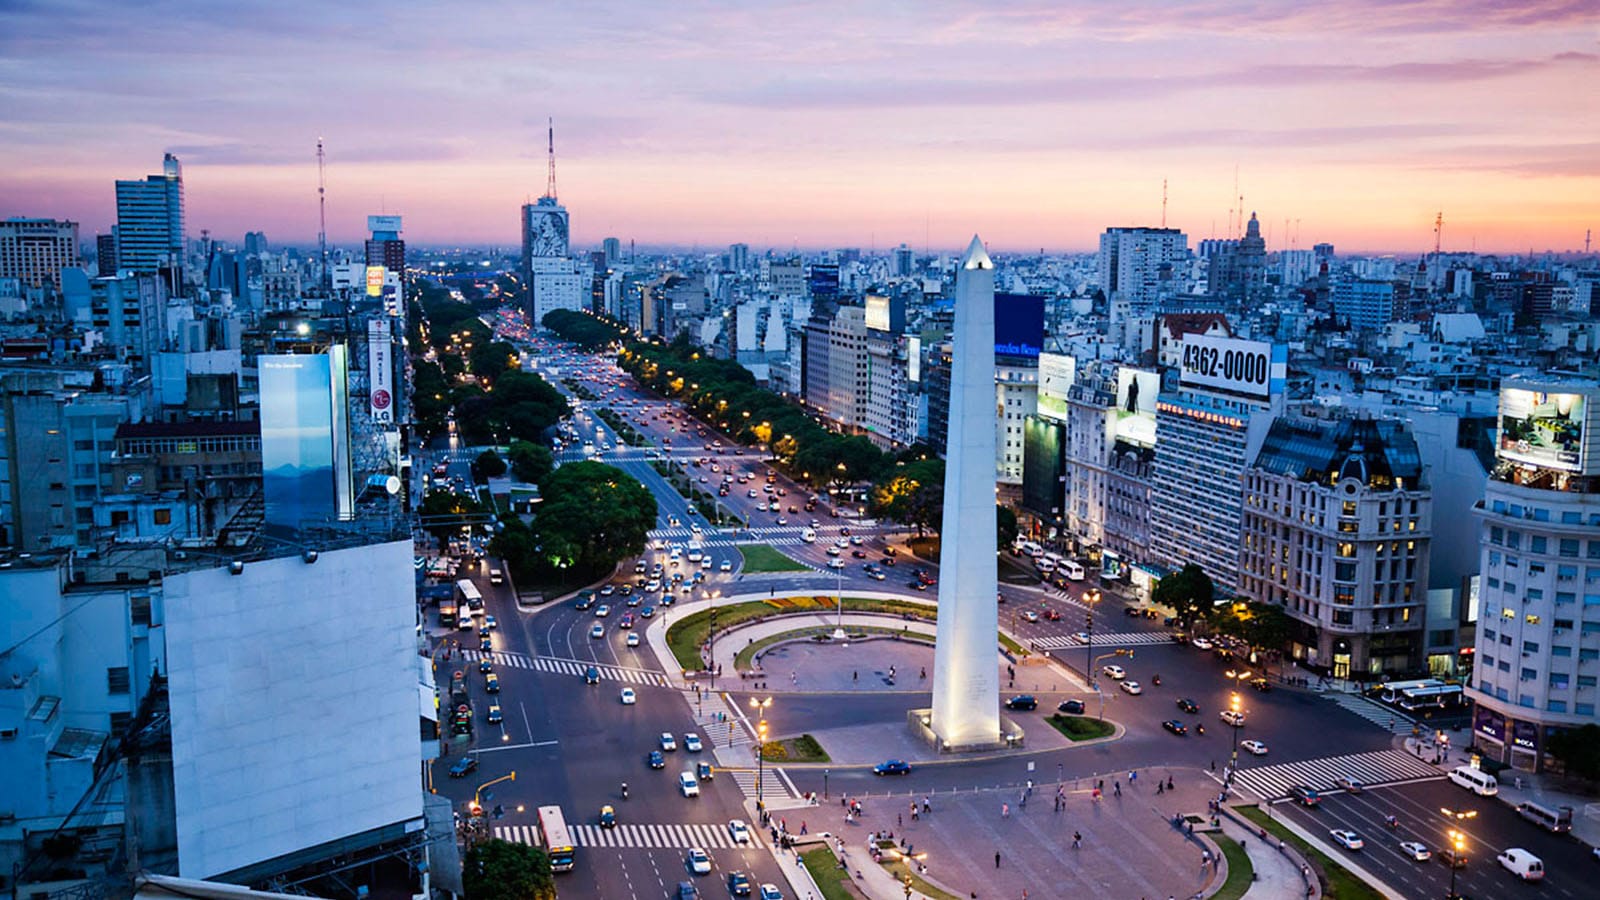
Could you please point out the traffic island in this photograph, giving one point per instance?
(1010, 737)
(1080, 728)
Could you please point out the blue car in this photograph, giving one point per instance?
(485, 665)
(892, 767)
(657, 761)
(464, 766)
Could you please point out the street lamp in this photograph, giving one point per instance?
(760, 706)
(1236, 705)
(1091, 598)
(824, 784)
(1458, 846)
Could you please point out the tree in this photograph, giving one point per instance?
(589, 517)
(500, 870)
(443, 513)
(913, 494)
(489, 464)
(1188, 590)
(1578, 749)
(1005, 526)
(530, 462)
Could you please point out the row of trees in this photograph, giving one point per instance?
(588, 332)
(1263, 626)
(589, 517)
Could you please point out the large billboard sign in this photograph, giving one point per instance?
(380, 371)
(375, 276)
(305, 457)
(1043, 467)
(546, 231)
(1136, 406)
(1250, 368)
(383, 224)
(1018, 325)
(1543, 429)
(1057, 372)
(914, 359)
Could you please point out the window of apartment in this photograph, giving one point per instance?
(1503, 666)
(1537, 544)
(1586, 654)
(1569, 517)
(1583, 709)
(1586, 681)
(1559, 680)
(1529, 673)
(1488, 633)
(1557, 706)
(1569, 548)
(1566, 573)
(1565, 597)
(120, 722)
(1535, 594)
(1592, 550)
(1531, 619)
(1497, 535)
(139, 610)
(1343, 617)
(1530, 647)
(1494, 582)
(117, 680)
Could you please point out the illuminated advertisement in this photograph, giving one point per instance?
(380, 369)
(305, 465)
(1057, 372)
(1018, 325)
(914, 359)
(1043, 467)
(1135, 413)
(383, 224)
(886, 314)
(375, 280)
(1542, 429)
(1112, 568)
(1252, 368)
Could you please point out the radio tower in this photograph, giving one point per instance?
(322, 221)
(550, 185)
(1163, 203)
(1438, 232)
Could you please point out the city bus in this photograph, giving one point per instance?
(556, 839)
(467, 592)
(1424, 693)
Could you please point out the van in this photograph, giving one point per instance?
(1072, 570)
(1475, 780)
(496, 577)
(1522, 864)
(688, 785)
(809, 536)
(1558, 820)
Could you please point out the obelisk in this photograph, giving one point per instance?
(966, 670)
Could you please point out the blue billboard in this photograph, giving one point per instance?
(1018, 325)
(305, 463)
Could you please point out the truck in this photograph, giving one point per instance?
(448, 610)
(460, 704)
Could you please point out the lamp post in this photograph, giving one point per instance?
(1458, 845)
(824, 784)
(760, 706)
(1236, 705)
(1092, 599)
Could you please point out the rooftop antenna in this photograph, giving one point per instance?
(322, 220)
(1163, 203)
(550, 186)
(1588, 235)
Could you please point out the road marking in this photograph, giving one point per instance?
(1382, 767)
(500, 747)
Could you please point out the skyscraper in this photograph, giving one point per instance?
(612, 249)
(1138, 264)
(150, 223)
(385, 248)
(36, 250)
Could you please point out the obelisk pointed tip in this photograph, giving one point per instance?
(977, 257)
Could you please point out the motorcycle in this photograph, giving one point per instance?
(624, 790)
(1156, 681)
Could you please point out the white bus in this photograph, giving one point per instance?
(1425, 693)
(1071, 569)
(467, 592)
(557, 840)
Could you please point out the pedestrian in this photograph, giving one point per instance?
(1005, 810)
(926, 806)
(854, 675)
(1117, 788)
(1022, 802)
(802, 826)
(899, 821)
(1132, 777)
(997, 859)
(1169, 782)
(1213, 765)
(1077, 840)
(1161, 788)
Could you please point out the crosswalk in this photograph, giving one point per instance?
(675, 837)
(1374, 712)
(573, 667)
(1374, 768)
(1110, 639)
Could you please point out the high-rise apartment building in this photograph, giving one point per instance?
(1537, 668)
(126, 310)
(150, 220)
(905, 261)
(1138, 264)
(893, 374)
(1237, 269)
(739, 257)
(612, 248)
(36, 250)
(1337, 530)
(105, 254)
(1367, 304)
(384, 247)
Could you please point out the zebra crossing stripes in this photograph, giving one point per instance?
(676, 837)
(1382, 716)
(573, 667)
(1374, 768)
(1111, 639)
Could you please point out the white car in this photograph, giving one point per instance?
(688, 785)
(727, 566)
(691, 742)
(1115, 673)
(629, 698)
(842, 543)
(668, 742)
(1347, 839)
(1255, 747)
(1030, 616)
(1132, 687)
(835, 563)
(633, 639)
(598, 631)
(739, 831)
(1417, 852)
(1236, 719)
(698, 861)
(601, 611)
(1202, 644)
(694, 556)
(833, 551)
(769, 892)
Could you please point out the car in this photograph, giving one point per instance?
(691, 742)
(657, 761)
(769, 891)
(629, 698)
(627, 621)
(650, 611)
(1352, 785)
(608, 590)
(1176, 727)
(878, 574)
(668, 742)
(688, 785)
(738, 884)
(1347, 839)
(1452, 857)
(833, 551)
(725, 566)
(1071, 707)
(1417, 851)
(1188, 706)
(585, 602)
(698, 861)
(485, 665)
(633, 639)
(598, 631)
(1256, 747)
(495, 715)
(1262, 685)
(634, 600)
(491, 683)
(485, 644)
(836, 563)
(1201, 643)
(738, 831)
(601, 611)
(892, 767)
(1030, 616)
(483, 629)
(1115, 673)
(1052, 615)
(916, 585)
(1236, 719)
(464, 766)
(1305, 796)
(1023, 702)
(1132, 687)
(608, 816)
(858, 554)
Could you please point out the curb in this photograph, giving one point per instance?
(1340, 859)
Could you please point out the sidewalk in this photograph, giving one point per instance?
(1518, 787)
(1276, 875)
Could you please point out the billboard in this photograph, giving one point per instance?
(914, 359)
(383, 223)
(1135, 415)
(380, 371)
(1018, 325)
(305, 464)
(1043, 467)
(375, 280)
(1057, 372)
(1542, 429)
(1237, 366)
(886, 314)
(546, 231)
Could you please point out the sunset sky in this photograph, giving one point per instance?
(820, 124)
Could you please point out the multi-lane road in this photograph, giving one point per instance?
(574, 743)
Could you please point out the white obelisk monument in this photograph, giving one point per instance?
(966, 669)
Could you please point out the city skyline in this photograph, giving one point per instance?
(815, 126)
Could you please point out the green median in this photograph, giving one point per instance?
(1339, 883)
(762, 558)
